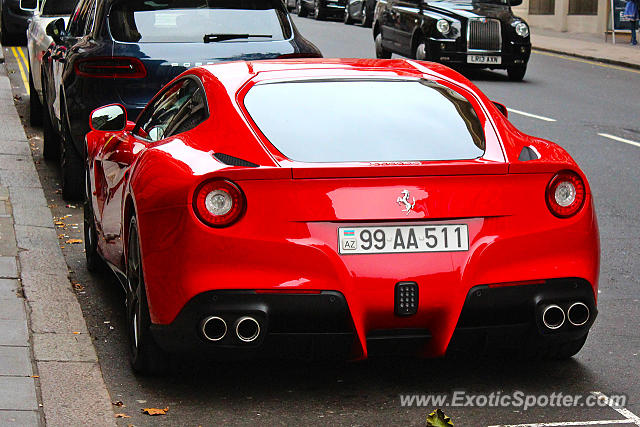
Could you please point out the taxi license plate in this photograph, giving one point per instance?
(403, 239)
(483, 59)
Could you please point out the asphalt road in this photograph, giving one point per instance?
(575, 102)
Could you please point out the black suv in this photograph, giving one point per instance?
(124, 51)
(463, 33)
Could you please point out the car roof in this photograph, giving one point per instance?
(232, 74)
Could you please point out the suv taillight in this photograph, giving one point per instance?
(565, 194)
(111, 67)
(218, 203)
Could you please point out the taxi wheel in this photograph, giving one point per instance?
(516, 72)
(71, 166)
(421, 53)
(146, 357)
(319, 14)
(367, 18)
(51, 140)
(347, 16)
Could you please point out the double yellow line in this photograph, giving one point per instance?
(23, 64)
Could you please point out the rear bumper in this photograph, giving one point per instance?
(320, 325)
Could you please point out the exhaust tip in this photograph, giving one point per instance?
(213, 328)
(578, 314)
(553, 316)
(247, 329)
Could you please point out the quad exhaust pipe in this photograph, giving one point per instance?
(213, 328)
(247, 329)
(578, 314)
(553, 316)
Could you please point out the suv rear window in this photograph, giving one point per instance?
(183, 21)
(366, 120)
(58, 7)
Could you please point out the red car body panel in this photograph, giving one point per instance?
(287, 239)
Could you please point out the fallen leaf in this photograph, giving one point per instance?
(74, 241)
(35, 376)
(119, 404)
(438, 419)
(78, 287)
(76, 333)
(122, 416)
(155, 411)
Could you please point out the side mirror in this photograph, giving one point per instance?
(515, 2)
(56, 30)
(29, 5)
(501, 108)
(110, 118)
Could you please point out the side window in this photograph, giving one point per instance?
(156, 123)
(78, 21)
(190, 115)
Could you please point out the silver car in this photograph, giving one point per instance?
(44, 12)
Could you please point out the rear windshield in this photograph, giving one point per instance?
(183, 21)
(58, 7)
(375, 120)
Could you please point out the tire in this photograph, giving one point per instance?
(35, 106)
(422, 52)
(146, 357)
(516, 72)
(367, 17)
(381, 52)
(556, 350)
(319, 14)
(93, 258)
(51, 139)
(347, 16)
(301, 11)
(5, 37)
(71, 168)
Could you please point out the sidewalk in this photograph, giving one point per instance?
(587, 46)
(49, 372)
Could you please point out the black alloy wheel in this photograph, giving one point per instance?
(381, 52)
(146, 357)
(301, 11)
(94, 261)
(347, 16)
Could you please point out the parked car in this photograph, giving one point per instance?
(240, 225)
(463, 33)
(125, 51)
(14, 20)
(320, 9)
(38, 43)
(361, 11)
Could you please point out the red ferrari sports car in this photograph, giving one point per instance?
(338, 208)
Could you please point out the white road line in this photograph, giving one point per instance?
(617, 138)
(630, 417)
(569, 423)
(622, 411)
(535, 116)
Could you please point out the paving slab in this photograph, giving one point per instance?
(19, 418)
(18, 393)
(12, 309)
(15, 361)
(14, 332)
(47, 287)
(64, 348)
(57, 378)
(8, 267)
(8, 288)
(41, 261)
(7, 236)
(15, 147)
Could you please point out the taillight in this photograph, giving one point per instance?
(565, 194)
(111, 67)
(218, 203)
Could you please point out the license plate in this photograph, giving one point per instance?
(483, 59)
(403, 239)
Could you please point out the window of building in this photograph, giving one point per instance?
(583, 7)
(542, 7)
